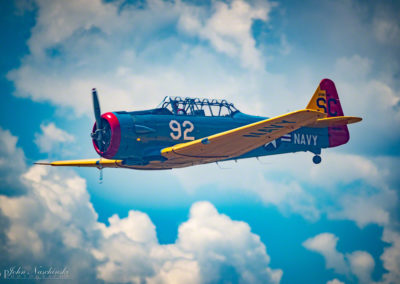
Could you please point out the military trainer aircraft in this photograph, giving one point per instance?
(183, 132)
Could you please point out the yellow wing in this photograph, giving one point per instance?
(94, 163)
(238, 141)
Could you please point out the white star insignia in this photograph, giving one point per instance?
(273, 142)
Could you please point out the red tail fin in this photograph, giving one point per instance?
(326, 99)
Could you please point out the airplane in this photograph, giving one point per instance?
(183, 132)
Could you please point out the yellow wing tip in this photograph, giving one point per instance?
(42, 163)
(83, 163)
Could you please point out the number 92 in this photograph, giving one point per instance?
(176, 129)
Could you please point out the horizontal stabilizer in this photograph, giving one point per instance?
(91, 163)
(334, 121)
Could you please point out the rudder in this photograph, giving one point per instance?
(326, 100)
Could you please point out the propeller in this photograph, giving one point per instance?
(97, 134)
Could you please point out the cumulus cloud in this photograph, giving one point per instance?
(325, 244)
(58, 211)
(51, 225)
(385, 27)
(361, 264)
(365, 209)
(12, 164)
(335, 281)
(54, 224)
(201, 253)
(386, 30)
(374, 96)
(357, 187)
(52, 211)
(51, 137)
(227, 250)
(391, 255)
(375, 100)
(73, 49)
(260, 180)
(358, 263)
(228, 28)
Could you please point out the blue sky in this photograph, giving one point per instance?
(284, 220)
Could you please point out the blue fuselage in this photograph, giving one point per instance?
(145, 133)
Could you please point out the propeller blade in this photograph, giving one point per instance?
(97, 114)
(96, 108)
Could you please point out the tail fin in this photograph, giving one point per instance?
(326, 100)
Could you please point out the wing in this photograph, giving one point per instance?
(238, 141)
(94, 163)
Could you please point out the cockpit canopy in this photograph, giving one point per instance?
(198, 107)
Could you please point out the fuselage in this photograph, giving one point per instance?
(144, 133)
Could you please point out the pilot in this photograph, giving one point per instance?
(181, 111)
(177, 109)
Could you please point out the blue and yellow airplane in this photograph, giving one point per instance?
(183, 132)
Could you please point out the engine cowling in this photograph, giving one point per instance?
(119, 136)
(111, 136)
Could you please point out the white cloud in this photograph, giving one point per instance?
(335, 281)
(353, 68)
(263, 181)
(51, 137)
(357, 187)
(358, 263)
(239, 248)
(68, 18)
(199, 255)
(355, 73)
(386, 29)
(12, 164)
(58, 194)
(361, 264)
(373, 99)
(55, 224)
(228, 28)
(101, 45)
(52, 224)
(325, 244)
(391, 256)
(365, 210)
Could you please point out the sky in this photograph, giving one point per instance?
(281, 219)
